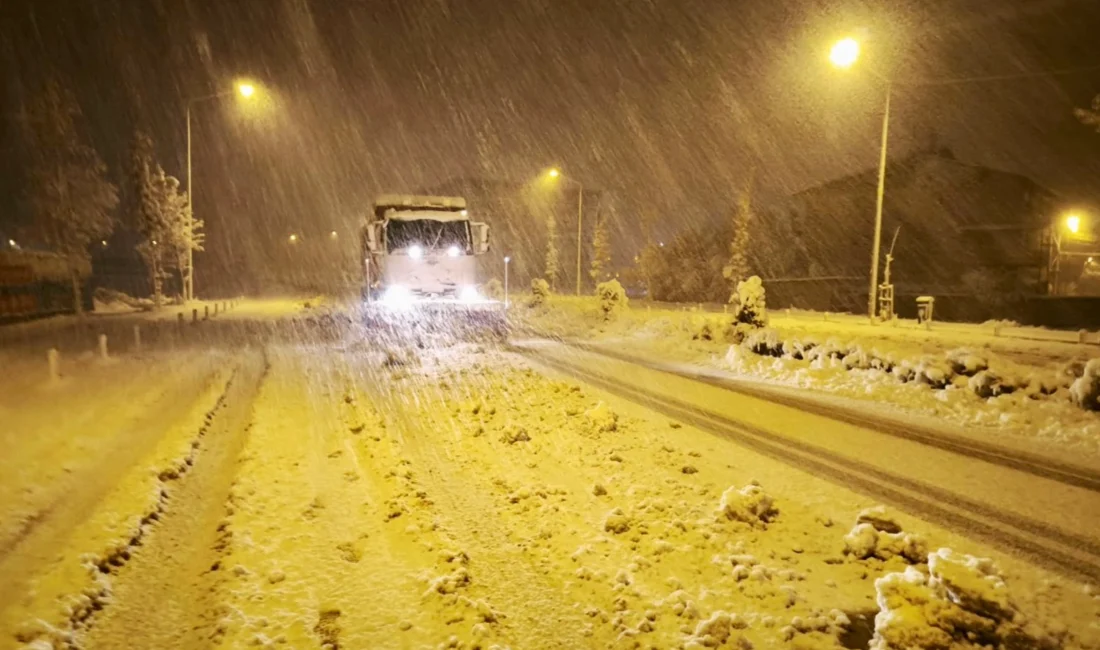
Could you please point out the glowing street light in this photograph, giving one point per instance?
(555, 173)
(245, 90)
(333, 235)
(1073, 223)
(507, 259)
(293, 239)
(844, 53)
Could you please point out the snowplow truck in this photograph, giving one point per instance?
(420, 268)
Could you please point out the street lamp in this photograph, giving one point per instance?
(293, 239)
(555, 173)
(245, 90)
(1073, 223)
(844, 55)
(507, 259)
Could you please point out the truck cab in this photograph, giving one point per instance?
(422, 249)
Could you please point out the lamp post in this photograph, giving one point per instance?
(844, 54)
(1071, 224)
(245, 90)
(507, 259)
(555, 173)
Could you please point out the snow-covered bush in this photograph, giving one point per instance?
(1085, 390)
(962, 602)
(748, 302)
(764, 342)
(612, 298)
(709, 327)
(966, 362)
(493, 290)
(540, 291)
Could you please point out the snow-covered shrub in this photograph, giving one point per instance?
(601, 418)
(877, 534)
(988, 384)
(749, 504)
(540, 291)
(748, 302)
(962, 602)
(1085, 390)
(966, 362)
(612, 298)
(796, 348)
(710, 327)
(493, 290)
(616, 521)
(933, 372)
(764, 342)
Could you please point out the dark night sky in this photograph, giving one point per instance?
(670, 103)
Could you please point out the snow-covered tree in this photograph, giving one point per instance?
(737, 268)
(162, 215)
(601, 250)
(750, 306)
(612, 297)
(71, 199)
(553, 266)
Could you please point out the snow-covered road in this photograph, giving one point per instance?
(345, 494)
(1044, 509)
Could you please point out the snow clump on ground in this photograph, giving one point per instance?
(749, 504)
(1085, 390)
(877, 534)
(960, 602)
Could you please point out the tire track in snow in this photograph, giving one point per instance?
(1024, 462)
(1068, 553)
(177, 566)
(534, 612)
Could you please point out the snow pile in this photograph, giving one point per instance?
(616, 521)
(749, 304)
(877, 534)
(540, 291)
(709, 327)
(716, 631)
(749, 504)
(612, 298)
(1085, 390)
(601, 418)
(961, 602)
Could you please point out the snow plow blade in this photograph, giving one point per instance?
(436, 322)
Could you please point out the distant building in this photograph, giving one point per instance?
(967, 233)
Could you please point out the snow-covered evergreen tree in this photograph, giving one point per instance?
(737, 268)
(553, 265)
(601, 250)
(71, 199)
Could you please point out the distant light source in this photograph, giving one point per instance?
(333, 235)
(154, 242)
(103, 242)
(844, 53)
(1073, 223)
(11, 242)
(464, 213)
(507, 259)
(293, 239)
(246, 90)
(661, 244)
(554, 173)
(453, 251)
(416, 252)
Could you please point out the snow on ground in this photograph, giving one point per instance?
(458, 496)
(467, 500)
(1027, 368)
(57, 561)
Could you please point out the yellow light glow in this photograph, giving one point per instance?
(844, 53)
(1073, 223)
(292, 239)
(246, 90)
(554, 173)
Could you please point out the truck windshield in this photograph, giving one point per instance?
(426, 233)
